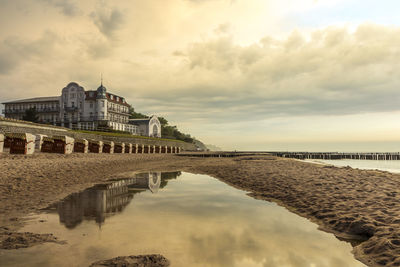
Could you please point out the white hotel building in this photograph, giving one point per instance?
(86, 110)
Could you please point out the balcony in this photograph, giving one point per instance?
(41, 110)
(13, 111)
(71, 109)
(102, 118)
(48, 110)
(116, 110)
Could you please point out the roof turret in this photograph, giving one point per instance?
(101, 91)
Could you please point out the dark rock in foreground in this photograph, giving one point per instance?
(134, 261)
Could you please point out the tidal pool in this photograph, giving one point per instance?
(193, 220)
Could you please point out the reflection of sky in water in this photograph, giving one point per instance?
(385, 165)
(193, 221)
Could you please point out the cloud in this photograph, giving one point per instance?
(332, 71)
(17, 50)
(67, 7)
(224, 28)
(107, 21)
(201, 62)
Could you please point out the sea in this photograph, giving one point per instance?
(384, 165)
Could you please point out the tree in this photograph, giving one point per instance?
(136, 115)
(31, 115)
(163, 121)
(167, 131)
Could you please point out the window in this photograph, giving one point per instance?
(80, 104)
(102, 103)
(91, 105)
(72, 95)
(73, 104)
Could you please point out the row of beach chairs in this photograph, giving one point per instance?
(26, 143)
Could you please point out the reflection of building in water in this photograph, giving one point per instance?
(151, 181)
(166, 176)
(105, 200)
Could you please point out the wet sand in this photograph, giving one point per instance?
(353, 204)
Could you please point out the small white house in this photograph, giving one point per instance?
(148, 127)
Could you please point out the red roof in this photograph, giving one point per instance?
(114, 100)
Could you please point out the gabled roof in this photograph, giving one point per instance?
(35, 99)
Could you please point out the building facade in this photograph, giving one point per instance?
(148, 127)
(78, 109)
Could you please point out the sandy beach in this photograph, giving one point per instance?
(353, 204)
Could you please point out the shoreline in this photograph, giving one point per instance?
(344, 201)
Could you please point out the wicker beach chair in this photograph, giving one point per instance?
(1, 142)
(81, 146)
(63, 144)
(47, 145)
(119, 147)
(140, 149)
(146, 149)
(108, 147)
(21, 143)
(128, 148)
(95, 146)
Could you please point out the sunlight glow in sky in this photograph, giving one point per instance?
(245, 75)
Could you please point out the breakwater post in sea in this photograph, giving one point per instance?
(339, 155)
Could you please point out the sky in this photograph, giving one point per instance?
(306, 75)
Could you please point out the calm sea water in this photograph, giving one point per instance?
(385, 165)
(193, 220)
